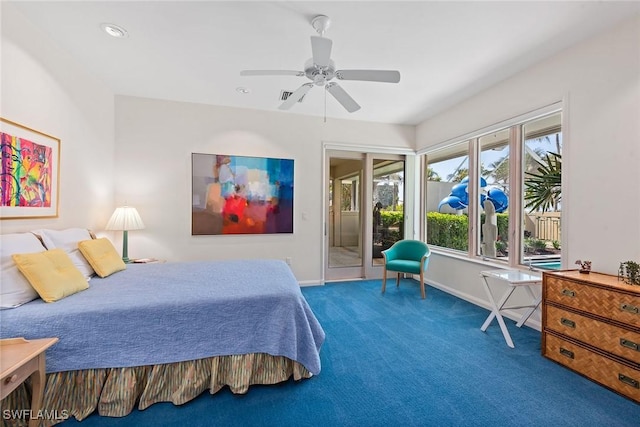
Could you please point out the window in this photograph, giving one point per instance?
(542, 192)
(514, 205)
(349, 196)
(493, 221)
(447, 177)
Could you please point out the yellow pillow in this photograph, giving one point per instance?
(102, 256)
(51, 273)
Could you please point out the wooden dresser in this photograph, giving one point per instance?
(591, 324)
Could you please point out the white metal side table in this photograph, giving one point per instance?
(514, 278)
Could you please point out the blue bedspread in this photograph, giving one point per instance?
(162, 313)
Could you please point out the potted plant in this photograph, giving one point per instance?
(585, 266)
(629, 272)
(501, 247)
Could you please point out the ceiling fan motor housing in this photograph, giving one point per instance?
(319, 75)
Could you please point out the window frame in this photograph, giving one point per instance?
(451, 152)
(516, 185)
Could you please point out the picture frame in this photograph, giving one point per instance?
(29, 172)
(241, 194)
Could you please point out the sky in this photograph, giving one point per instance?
(448, 167)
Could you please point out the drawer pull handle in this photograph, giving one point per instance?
(629, 344)
(630, 308)
(568, 293)
(567, 322)
(567, 353)
(629, 381)
(11, 379)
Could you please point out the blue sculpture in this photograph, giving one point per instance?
(499, 199)
(458, 199)
(460, 191)
(452, 201)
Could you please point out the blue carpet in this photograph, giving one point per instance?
(398, 360)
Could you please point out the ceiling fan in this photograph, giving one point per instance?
(320, 69)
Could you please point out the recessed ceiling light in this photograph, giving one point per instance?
(243, 90)
(114, 30)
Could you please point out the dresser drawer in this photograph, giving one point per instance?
(608, 303)
(608, 372)
(610, 338)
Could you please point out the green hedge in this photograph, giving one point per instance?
(451, 231)
(391, 218)
(448, 230)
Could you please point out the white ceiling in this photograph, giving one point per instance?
(193, 51)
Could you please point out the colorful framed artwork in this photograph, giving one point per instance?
(241, 195)
(30, 174)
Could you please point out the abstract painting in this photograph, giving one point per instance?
(241, 195)
(29, 179)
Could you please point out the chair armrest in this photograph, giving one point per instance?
(389, 254)
(424, 260)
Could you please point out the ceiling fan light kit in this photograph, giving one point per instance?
(320, 69)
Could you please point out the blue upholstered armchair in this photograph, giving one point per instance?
(406, 256)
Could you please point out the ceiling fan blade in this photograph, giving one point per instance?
(321, 49)
(385, 76)
(342, 97)
(296, 96)
(271, 73)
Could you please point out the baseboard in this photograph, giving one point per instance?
(305, 283)
(513, 315)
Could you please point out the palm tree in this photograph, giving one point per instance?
(458, 175)
(499, 171)
(532, 158)
(543, 189)
(433, 175)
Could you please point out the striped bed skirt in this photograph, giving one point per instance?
(115, 391)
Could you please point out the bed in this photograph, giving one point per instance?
(167, 332)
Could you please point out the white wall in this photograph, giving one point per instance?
(154, 142)
(151, 143)
(599, 81)
(145, 159)
(43, 89)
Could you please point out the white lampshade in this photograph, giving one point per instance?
(125, 218)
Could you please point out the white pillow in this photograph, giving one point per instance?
(15, 289)
(68, 241)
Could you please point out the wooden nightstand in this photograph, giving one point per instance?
(19, 360)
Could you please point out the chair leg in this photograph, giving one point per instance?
(384, 279)
(422, 284)
(398, 280)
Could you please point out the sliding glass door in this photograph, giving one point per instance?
(364, 212)
(344, 231)
(388, 206)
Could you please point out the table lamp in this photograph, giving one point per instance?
(125, 218)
